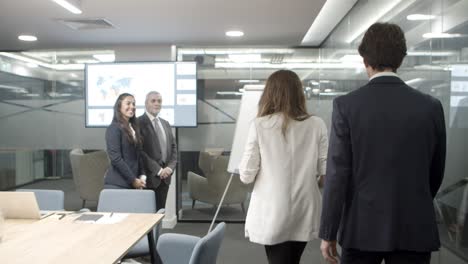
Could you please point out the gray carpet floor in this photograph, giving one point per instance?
(237, 249)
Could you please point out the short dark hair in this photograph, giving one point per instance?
(383, 46)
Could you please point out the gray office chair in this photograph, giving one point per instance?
(48, 200)
(131, 201)
(185, 249)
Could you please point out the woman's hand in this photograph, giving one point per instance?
(138, 184)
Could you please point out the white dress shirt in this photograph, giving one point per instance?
(380, 74)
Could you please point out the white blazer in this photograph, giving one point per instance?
(286, 202)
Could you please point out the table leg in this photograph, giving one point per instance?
(155, 259)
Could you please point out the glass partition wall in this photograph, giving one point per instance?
(436, 64)
(42, 115)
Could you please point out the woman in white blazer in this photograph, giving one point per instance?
(285, 154)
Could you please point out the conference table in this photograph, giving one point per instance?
(59, 238)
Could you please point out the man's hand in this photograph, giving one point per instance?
(169, 171)
(329, 252)
(165, 173)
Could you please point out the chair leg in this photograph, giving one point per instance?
(243, 208)
(193, 203)
(83, 204)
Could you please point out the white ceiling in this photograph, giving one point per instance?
(180, 22)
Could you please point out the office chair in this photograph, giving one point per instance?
(185, 249)
(48, 200)
(131, 201)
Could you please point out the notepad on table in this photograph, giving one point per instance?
(89, 217)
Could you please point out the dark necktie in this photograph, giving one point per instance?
(161, 138)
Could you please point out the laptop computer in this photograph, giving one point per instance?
(19, 205)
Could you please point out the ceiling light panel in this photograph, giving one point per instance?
(332, 12)
(420, 17)
(105, 57)
(441, 35)
(245, 57)
(71, 5)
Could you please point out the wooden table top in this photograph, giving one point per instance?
(65, 241)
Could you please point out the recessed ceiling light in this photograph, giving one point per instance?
(27, 37)
(441, 35)
(234, 33)
(420, 17)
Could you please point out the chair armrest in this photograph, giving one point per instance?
(176, 248)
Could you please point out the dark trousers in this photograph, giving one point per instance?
(351, 256)
(288, 252)
(161, 195)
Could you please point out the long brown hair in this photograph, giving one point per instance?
(283, 94)
(124, 124)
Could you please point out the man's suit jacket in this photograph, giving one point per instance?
(124, 158)
(386, 161)
(152, 152)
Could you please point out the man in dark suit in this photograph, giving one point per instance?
(386, 162)
(159, 148)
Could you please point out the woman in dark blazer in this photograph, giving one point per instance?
(123, 143)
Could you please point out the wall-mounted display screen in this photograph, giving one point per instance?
(176, 81)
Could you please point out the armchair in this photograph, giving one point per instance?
(211, 188)
(88, 173)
